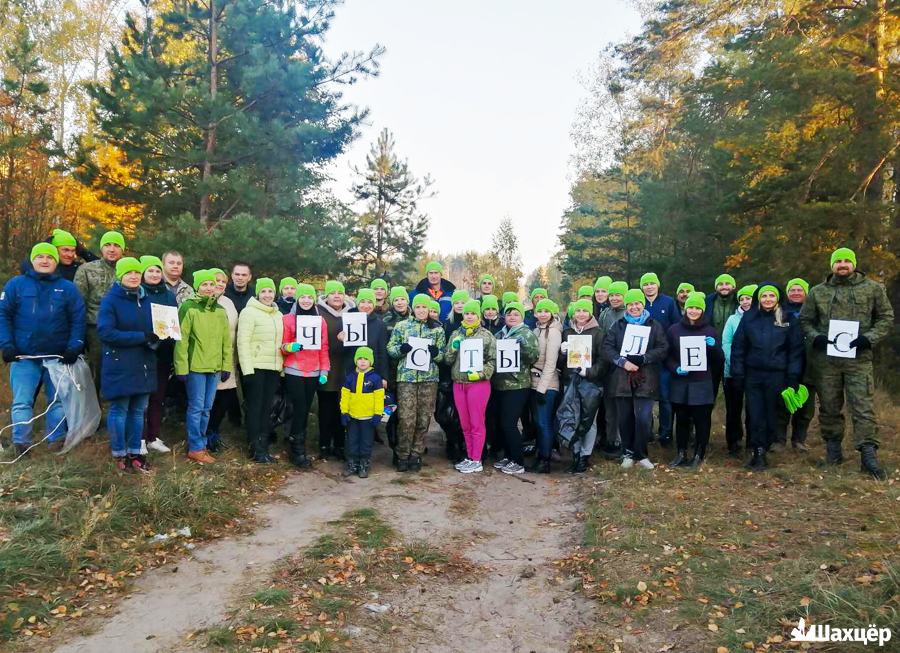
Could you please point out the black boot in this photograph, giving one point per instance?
(834, 455)
(323, 453)
(298, 457)
(581, 464)
(415, 463)
(403, 464)
(350, 468)
(869, 462)
(541, 466)
(758, 462)
(362, 470)
(680, 459)
(696, 462)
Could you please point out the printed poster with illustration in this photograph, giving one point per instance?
(165, 321)
(580, 351)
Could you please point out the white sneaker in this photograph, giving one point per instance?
(503, 462)
(158, 445)
(513, 468)
(644, 463)
(627, 462)
(462, 463)
(474, 466)
(143, 447)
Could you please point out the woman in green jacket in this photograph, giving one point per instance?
(260, 334)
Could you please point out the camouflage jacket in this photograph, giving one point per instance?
(93, 280)
(855, 298)
(182, 290)
(528, 354)
(412, 328)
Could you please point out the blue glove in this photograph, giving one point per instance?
(710, 341)
(680, 372)
(323, 378)
(345, 419)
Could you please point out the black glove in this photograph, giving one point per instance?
(152, 338)
(9, 355)
(820, 343)
(861, 343)
(541, 398)
(433, 350)
(224, 375)
(70, 356)
(637, 359)
(405, 348)
(737, 382)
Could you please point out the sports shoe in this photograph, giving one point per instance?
(465, 462)
(644, 463)
(474, 466)
(627, 462)
(500, 464)
(139, 464)
(121, 464)
(512, 467)
(201, 457)
(143, 447)
(158, 446)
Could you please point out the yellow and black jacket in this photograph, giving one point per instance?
(362, 395)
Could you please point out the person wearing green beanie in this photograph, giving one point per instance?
(735, 421)
(509, 296)
(547, 330)
(486, 285)
(460, 296)
(681, 295)
(69, 250)
(585, 292)
(536, 295)
(226, 401)
(601, 295)
(792, 304)
(41, 314)
(649, 277)
(148, 261)
(382, 304)
(62, 238)
(362, 406)
(365, 295)
(492, 320)
(635, 377)
(203, 276)
(663, 310)
(416, 390)
(287, 294)
(847, 294)
(577, 372)
(471, 382)
(607, 420)
(398, 299)
(721, 304)
(398, 292)
(112, 238)
(603, 282)
(437, 288)
(378, 283)
(434, 310)
(454, 318)
(691, 392)
(334, 287)
(767, 356)
(128, 265)
(489, 302)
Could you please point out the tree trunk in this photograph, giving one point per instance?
(211, 127)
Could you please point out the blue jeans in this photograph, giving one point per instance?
(665, 406)
(360, 434)
(125, 423)
(543, 415)
(24, 377)
(201, 393)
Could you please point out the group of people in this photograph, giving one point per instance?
(485, 367)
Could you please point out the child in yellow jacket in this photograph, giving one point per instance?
(362, 405)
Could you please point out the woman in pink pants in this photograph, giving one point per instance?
(471, 372)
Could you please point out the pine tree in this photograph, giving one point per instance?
(505, 246)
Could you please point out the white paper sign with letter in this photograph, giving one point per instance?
(419, 358)
(356, 329)
(637, 337)
(693, 353)
(840, 334)
(165, 321)
(508, 356)
(309, 332)
(471, 355)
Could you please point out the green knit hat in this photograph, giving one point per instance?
(421, 300)
(725, 278)
(490, 301)
(397, 292)
(149, 261)
(378, 283)
(585, 291)
(538, 291)
(842, 253)
(546, 305)
(365, 352)
(262, 283)
(306, 290)
(44, 248)
(216, 271)
(602, 283)
(635, 295)
(514, 306)
(332, 286)
(202, 276)
(797, 281)
(649, 277)
(460, 295)
(487, 277)
(747, 291)
(583, 304)
(570, 310)
(287, 281)
(472, 306)
(126, 265)
(769, 288)
(509, 296)
(433, 305)
(62, 238)
(618, 288)
(434, 266)
(684, 285)
(696, 300)
(113, 238)
(365, 295)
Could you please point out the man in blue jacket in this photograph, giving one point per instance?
(435, 287)
(41, 314)
(662, 309)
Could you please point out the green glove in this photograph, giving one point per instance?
(790, 400)
(293, 347)
(474, 376)
(456, 342)
(802, 395)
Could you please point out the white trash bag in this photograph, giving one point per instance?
(75, 389)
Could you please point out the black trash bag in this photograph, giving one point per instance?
(447, 417)
(282, 410)
(578, 409)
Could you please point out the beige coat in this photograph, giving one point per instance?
(549, 340)
(259, 336)
(232, 314)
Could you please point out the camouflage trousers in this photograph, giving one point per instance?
(854, 379)
(93, 353)
(415, 405)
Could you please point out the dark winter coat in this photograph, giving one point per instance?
(41, 314)
(763, 345)
(663, 310)
(377, 340)
(695, 388)
(336, 354)
(160, 294)
(494, 326)
(240, 297)
(645, 382)
(443, 297)
(719, 309)
(598, 365)
(285, 304)
(123, 324)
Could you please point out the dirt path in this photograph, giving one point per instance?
(512, 528)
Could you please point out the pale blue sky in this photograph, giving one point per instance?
(482, 96)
